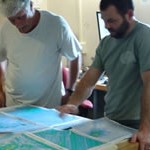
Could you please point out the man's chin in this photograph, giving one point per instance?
(22, 30)
(117, 36)
(112, 34)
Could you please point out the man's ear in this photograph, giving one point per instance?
(129, 15)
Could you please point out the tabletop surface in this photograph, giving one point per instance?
(29, 127)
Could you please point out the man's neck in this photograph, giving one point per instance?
(35, 20)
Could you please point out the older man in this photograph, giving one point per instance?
(33, 43)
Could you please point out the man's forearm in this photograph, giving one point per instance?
(79, 95)
(74, 69)
(145, 106)
(1, 79)
(85, 87)
(2, 92)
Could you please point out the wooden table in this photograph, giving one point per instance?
(125, 145)
(122, 145)
(100, 86)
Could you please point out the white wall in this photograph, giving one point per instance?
(40, 4)
(90, 30)
(142, 10)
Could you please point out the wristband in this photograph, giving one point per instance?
(69, 91)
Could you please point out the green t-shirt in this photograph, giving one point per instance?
(124, 60)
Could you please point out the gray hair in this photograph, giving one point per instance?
(12, 7)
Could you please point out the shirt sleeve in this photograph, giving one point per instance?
(142, 49)
(68, 44)
(97, 63)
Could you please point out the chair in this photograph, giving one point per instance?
(86, 104)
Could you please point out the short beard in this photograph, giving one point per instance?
(121, 30)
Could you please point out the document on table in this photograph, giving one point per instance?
(104, 130)
(28, 118)
(68, 139)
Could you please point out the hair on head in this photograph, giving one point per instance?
(11, 7)
(121, 5)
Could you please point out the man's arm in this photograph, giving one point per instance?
(74, 69)
(83, 90)
(2, 93)
(143, 135)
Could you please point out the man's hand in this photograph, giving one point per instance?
(69, 108)
(143, 137)
(2, 99)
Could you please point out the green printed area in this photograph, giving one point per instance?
(22, 142)
(68, 139)
(98, 133)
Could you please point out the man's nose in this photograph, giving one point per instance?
(107, 25)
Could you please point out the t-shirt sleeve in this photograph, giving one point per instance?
(97, 63)
(143, 49)
(68, 44)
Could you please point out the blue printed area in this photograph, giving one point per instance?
(43, 116)
(10, 124)
(68, 139)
